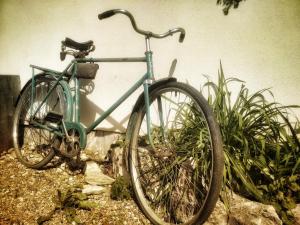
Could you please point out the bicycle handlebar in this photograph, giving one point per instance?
(148, 34)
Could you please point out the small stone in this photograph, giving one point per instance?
(84, 157)
(71, 180)
(92, 189)
(94, 175)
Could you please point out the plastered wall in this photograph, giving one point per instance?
(258, 43)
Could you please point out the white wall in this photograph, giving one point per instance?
(258, 43)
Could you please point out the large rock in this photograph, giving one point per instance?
(99, 143)
(118, 162)
(243, 212)
(94, 175)
(246, 212)
(219, 216)
(296, 212)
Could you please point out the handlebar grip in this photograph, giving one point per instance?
(181, 37)
(106, 14)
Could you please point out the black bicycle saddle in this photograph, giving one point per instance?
(81, 46)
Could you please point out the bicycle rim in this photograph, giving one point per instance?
(172, 178)
(35, 146)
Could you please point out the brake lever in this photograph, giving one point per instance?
(63, 55)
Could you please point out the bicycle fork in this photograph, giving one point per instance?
(146, 85)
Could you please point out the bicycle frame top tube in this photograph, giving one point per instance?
(147, 59)
(145, 80)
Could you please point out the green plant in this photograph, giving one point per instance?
(262, 151)
(68, 201)
(121, 189)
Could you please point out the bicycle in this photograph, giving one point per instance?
(176, 175)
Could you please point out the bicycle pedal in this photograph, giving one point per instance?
(53, 117)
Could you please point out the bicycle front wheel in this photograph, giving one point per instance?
(177, 176)
(33, 145)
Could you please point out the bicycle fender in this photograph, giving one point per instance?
(66, 90)
(64, 84)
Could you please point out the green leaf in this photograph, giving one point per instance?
(88, 205)
(296, 166)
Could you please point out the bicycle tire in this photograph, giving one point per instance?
(34, 147)
(169, 179)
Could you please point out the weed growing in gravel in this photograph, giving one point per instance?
(68, 201)
(121, 189)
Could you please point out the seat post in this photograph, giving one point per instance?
(148, 49)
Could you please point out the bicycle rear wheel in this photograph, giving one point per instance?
(33, 145)
(176, 178)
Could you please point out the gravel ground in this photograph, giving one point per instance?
(26, 194)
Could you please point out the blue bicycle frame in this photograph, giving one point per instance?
(73, 112)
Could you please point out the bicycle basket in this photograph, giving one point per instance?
(85, 70)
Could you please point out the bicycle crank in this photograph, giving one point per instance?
(70, 146)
